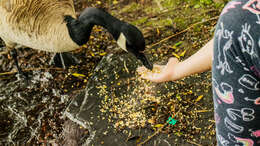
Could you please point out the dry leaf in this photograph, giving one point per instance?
(78, 75)
(176, 55)
(158, 125)
(183, 53)
(199, 98)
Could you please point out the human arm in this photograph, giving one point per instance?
(174, 70)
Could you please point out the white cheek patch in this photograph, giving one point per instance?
(122, 42)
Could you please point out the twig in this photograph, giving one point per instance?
(3, 53)
(158, 131)
(213, 121)
(202, 111)
(194, 143)
(30, 69)
(195, 104)
(126, 67)
(174, 35)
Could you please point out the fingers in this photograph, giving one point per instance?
(156, 75)
(172, 61)
(141, 70)
(148, 75)
(160, 73)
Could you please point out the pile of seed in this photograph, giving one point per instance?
(128, 110)
(132, 102)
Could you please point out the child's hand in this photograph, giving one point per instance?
(160, 73)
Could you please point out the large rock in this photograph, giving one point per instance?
(113, 74)
(85, 109)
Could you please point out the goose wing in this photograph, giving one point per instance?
(35, 16)
(37, 24)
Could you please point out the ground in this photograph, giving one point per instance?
(33, 112)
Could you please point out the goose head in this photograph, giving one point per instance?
(131, 40)
(128, 37)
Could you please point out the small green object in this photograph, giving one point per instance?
(171, 121)
(178, 44)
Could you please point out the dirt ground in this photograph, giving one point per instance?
(171, 28)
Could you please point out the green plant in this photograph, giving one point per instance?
(206, 2)
(201, 3)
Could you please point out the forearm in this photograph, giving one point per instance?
(174, 70)
(199, 62)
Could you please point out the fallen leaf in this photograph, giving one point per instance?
(115, 2)
(158, 31)
(151, 121)
(103, 54)
(183, 53)
(78, 75)
(178, 44)
(199, 98)
(158, 125)
(176, 55)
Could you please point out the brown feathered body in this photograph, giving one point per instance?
(37, 24)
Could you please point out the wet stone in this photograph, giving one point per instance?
(26, 107)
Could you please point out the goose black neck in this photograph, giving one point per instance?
(95, 16)
(80, 29)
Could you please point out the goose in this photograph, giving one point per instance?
(52, 25)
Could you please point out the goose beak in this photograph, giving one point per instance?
(145, 61)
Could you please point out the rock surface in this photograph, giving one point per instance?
(86, 107)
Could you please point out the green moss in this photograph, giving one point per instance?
(152, 10)
(130, 8)
(140, 21)
(181, 23)
(169, 3)
(166, 22)
(159, 23)
(197, 28)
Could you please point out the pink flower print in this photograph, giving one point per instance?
(253, 6)
(231, 5)
(245, 141)
(256, 133)
(226, 95)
